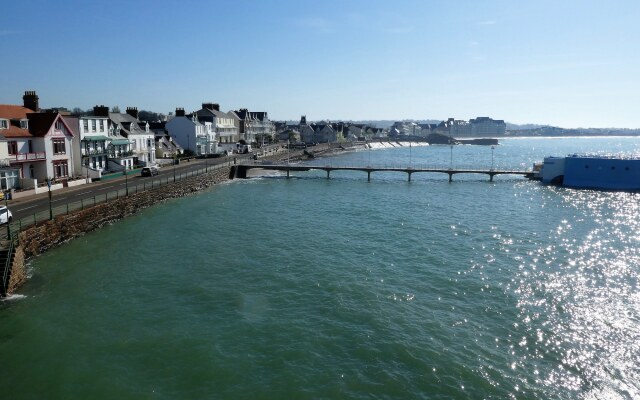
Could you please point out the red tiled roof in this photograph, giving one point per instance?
(15, 132)
(9, 111)
(12, 112)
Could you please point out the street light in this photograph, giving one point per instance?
(451, 157)
(50, 208)
(126, 180)
(409, 154)
(6, 203)
(451, 146)
(492, 148)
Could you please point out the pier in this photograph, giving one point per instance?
(240, 170)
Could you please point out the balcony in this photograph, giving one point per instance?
(120, 154)
(93, 152)
(26, 157)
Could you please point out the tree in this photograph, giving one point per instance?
(115, 109)
(149, 116)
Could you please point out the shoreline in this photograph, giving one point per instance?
(38, 239)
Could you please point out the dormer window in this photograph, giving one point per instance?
(4, 124)
(24, 123)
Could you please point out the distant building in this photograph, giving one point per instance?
(255, 126)
(485, 126)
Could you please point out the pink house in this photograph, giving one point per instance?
(38, 144)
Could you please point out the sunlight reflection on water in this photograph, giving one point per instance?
(584, 292)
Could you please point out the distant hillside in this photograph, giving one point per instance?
(515, 127)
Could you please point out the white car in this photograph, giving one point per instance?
(5, 215)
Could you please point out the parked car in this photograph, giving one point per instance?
(5, 215)
(149, 171)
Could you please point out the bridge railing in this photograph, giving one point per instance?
(400, 166)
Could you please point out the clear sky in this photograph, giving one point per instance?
(568, 63)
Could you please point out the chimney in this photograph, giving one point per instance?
(211, 106)
(30, 100)
(180, 111)
(303, 120)
(101, 111)
(133, 111)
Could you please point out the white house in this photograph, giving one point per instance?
(224, 125)
(118, 148)
(94, 141)
(191, 134)
(140, 137)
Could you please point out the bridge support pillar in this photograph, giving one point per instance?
(368, 176)
(328, 172)
(490, 177)
(287, 174)
(409, 173)
(450, 176)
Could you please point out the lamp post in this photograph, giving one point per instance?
(50, 207)
(492, 148)
(409, 154)
(174, 168)
(6, 203)
(206, 156)
(126, 180)
(451, 147)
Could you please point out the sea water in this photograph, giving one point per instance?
(309, 288)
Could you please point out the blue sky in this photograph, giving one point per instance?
(567, 63)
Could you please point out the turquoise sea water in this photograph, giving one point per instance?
(310, 288)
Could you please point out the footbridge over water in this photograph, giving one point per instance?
(240, 170)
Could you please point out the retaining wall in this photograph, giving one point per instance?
(38, 239)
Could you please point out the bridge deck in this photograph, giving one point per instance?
(240, 170)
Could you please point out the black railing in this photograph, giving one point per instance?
(149, 183)
(6, 275)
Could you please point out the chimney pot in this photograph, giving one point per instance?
(133, 111)
(30, 100)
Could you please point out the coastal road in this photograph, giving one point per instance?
(26, 207)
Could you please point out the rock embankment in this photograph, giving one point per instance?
(39, 238)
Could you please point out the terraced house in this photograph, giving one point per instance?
(140, 137)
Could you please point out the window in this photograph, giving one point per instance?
(24, 123)
(59, 125)
(60, 169)
(101, 125)
(58, 146)
(4, 124)
(85, 125)
(12, 145)
(93, 125)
